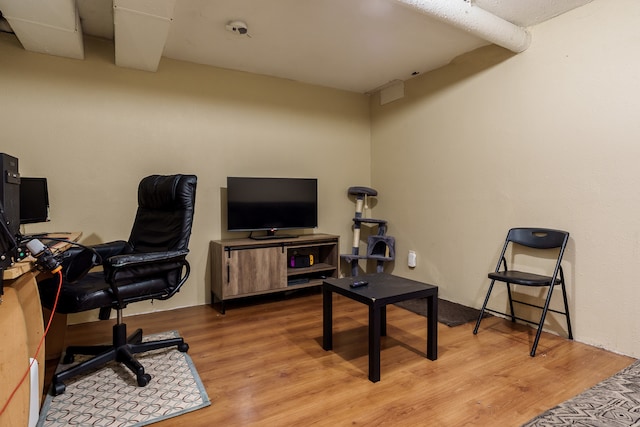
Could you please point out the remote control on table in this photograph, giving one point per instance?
(358, 283)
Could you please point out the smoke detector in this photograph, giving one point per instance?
(237, 27)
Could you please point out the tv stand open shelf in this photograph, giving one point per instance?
(247, 267)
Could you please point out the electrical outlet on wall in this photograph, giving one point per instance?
(412, 259)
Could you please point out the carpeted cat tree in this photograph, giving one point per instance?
(380, 247)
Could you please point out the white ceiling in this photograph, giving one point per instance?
(354, 45)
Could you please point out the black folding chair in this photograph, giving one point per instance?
(535, 238)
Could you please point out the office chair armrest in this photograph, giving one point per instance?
(123, 269)
(105, 250)
(110, 249)
(78, 260)
(155, 258)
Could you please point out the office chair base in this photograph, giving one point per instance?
(123, 350)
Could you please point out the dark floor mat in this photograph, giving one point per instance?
(449, 313)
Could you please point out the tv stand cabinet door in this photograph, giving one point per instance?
(253, 271)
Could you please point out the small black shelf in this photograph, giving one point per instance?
(351, 257)
(369, 221)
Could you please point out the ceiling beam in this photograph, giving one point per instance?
(51, 27)
(463, 14)
(140, 32)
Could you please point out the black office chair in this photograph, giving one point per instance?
(150, 265)
(535, 238)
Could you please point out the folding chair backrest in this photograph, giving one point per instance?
(538, 238)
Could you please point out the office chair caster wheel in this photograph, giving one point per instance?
(68, 358)
(58, 388)
(184, 347)
(143, 379)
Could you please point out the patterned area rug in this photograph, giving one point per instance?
(449, 313)
(111, 396)
(613, 402)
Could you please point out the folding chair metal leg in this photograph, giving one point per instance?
(566, 305)
(513, 313)
(484, 305)
(541, 324)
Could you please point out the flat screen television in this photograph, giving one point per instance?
(271, 204)
(34, 200)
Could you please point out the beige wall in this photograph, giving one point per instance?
(549, 138)
(94, 130)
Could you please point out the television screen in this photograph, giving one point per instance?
(34, 200)
(271, 204)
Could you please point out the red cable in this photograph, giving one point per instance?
(24, 377)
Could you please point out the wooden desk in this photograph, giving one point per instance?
(21, 329)
(14, 356)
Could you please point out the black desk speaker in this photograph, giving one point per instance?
(10, 192)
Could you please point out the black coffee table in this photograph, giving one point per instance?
(383, 289)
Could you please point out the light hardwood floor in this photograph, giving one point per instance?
(262, 364)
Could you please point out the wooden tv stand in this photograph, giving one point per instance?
(246, 267)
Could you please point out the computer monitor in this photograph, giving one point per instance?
(34, 200)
